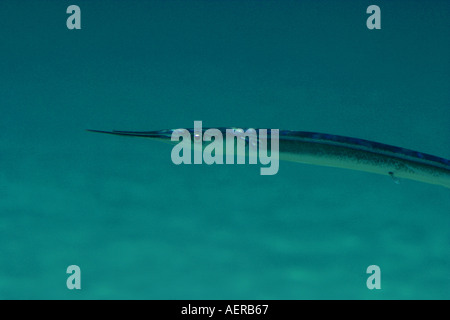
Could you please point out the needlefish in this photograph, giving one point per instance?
(341, 152)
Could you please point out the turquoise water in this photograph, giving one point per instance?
(140, 227)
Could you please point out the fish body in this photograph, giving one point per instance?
(363, 155)
(342, 152)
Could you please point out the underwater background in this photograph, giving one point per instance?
(140, 227)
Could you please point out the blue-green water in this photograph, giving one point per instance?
(141, 227)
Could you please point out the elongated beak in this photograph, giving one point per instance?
(164, 135)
